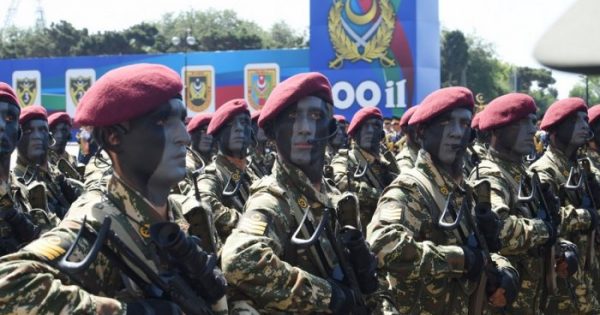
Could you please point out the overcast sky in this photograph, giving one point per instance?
(512, 26)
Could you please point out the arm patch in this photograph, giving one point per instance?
(253, 222)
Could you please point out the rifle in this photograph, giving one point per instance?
(170, 286)
(547, 212)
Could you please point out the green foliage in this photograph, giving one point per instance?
(454, 57)
(593, 96)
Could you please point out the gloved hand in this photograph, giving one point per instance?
(567, 260)
(25, 231)
(362, 260)
(343, 299)
(502, 286)
(489, 225)
(473, 262)
(152, 307)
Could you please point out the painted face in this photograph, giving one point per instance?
(154, 148)
(341, 137)
(309, 120)
(596, 130)
(369, 135)
(447, 135)
(201, 141)
(61, 133)
(234, 137)
(34, 143)
(518, 136)
(9, 128)
(574, 130)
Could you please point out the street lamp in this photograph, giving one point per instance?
(190, 40)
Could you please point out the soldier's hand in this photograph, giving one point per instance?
(362, 260)
(152, 306)
(343, 299)
(502, 291)
(489, 225)
(24, 229)
(567, 260)
(473, 262)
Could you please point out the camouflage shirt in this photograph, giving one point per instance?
(368, 187)
(31, 284)
(97, 172)
(424, 263)
(54, 157)
(406, 158)
(268, 272)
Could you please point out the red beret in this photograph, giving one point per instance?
(560, 110)
(407, 115)
(7, 94)
(126, 93)
(292, 90)
(475, 121)
(32, 112)
(506, 109)
(594, 113)
(254, 116)
(198, 121)
(59, 117)
(224, 113)
(441, 101)
(361, 116)
(340, 118)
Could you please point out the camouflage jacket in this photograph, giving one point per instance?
(54, 157)
(222, 175)
(259, 260)
(406, 158)
(32, 284)
(18, 196)
(261, 165)
(367, 187)
(97, 172)
(60, 191)
(594, 158)
(424, 263)
(193, 162)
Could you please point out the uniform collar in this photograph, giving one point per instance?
(442, 180)
(515, 169)
(293, 175)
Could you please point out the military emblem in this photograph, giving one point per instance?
(259, 81)
(78, 86)
(364, 37)
(199, 89)
(27, 90)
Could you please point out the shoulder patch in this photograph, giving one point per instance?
(253, 222)
(50, 247)
(390, 214)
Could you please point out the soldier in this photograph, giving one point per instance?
(362, 169)
(199, 155)
(566, 122)
(263, 156)
(226, 181)
(338, 141)
(269, 272)
(137, 115)
(526, 233)
(19, 223)
(60, 128)
(408, 154)
(33, 168)
(431, 267)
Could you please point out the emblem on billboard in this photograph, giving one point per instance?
(77, 82)
(199, 88)
(27, 85)
(259, 81)
(364, 37)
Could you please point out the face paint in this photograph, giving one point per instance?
(61, 134)
(369, 135)
(447, 135)
(34, 143)
(234, 137)
(9, 128)
(596, 130)
(309, 120)
(574, 130)
(201, 141)
(153, 149)
(517, 137)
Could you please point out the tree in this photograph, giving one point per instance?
(454, 57)
(593, 97)
(485, 73)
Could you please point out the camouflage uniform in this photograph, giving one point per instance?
(97, 172)
(266, 271)
(406, 158)
(37, 287)
(193, 162)
(60, 191)
(53, 158)
(553, 168)
(262, 164)
(368, 188)
(226, 209)
(521, 233)
(424, 264)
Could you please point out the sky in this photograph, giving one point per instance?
(511, 26)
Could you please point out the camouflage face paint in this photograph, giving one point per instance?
(447, 135)
(517, 137)
(61, 134)
(201, 141)
(341, 137)
(574, 130)
(369, 135)
(234, 137)
(9, 128)
(35, 140)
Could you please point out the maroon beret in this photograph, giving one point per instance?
(361, 116)
(506, 109)
(441, 101)
(224, 113)
(254, 116)
(560, 110)
(594, 113)
(407, 115)
(476, 120)
(32, 112)
(59, 117)
(292, 90)
(7, 94)
(126, 93)
(340, 118)
(198, 121)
